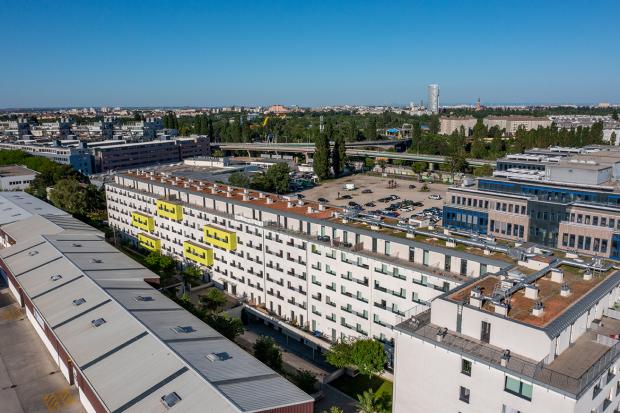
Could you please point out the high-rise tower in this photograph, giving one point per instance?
(433, 98)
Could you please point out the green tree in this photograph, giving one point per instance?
(334, 409)
(612, 138)
(320, 162)
(70, 196)
(416, 135)
(369, 402)
(614, 115)
(277, 178)
(229, 327)
(213, 300)
(239, 179)
(191, 273)
(368, 356)
(371, 129)
(267, 351)
(369, 163)
(418, 168)
(434, 125)
(339, 355)
(484, 170)
(480, 130)
(305, 380)
(338, 155)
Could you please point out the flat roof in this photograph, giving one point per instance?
(15, 170)
(17, 206)
(140, 353)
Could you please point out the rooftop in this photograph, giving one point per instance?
(549, 293)
(15, 170)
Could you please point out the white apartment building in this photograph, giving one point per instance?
(513, 123)
(450, 124)
(543, 342)
(305, 265)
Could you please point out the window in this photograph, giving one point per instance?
(483, 269)
(425, 257)
(464, 394)
(518, 388)
(463, 266)
(485, 332)
(387, 247)
(466, 367)
(447, 263)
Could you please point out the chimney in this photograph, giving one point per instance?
(289, 204)
(587, 275)
(475, 301)
(476, 292)
(505, 358)
(441, 333)
(538, 309)
(501, 309)
(531, 292)
(261, 195)
(321, 207)
(310, 210)
(246, 197)
(557, 275)
(269, 201)
(301, 202)
(565, 290)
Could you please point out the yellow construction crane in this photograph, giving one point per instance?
(265, 121)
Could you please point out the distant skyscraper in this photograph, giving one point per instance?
(433, 98)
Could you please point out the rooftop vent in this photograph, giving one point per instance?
(557, 275)
(76, 244)
(79, 301)
(587, 275)
(531, 292)
(56, 277)
(143, 298)
(212, 357)
(441, 333)
(183, 329)
(565, 290)
(538, 309)
(98, 322)
(170, 399)
(501, 308)
(96, 261)
(33, 253)
(505, 358)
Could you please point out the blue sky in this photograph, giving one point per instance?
(202, 53)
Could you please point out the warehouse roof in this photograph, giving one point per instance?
(133, 344)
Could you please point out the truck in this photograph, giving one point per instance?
(349, 187)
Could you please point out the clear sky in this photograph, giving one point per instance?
(208, 53)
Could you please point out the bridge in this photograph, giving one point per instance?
(352, 149)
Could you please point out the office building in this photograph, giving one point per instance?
(121, 342)
(318, 271)
(433, 98)
(570, 202)
(524, 340)
(78, 157)
(15, 177)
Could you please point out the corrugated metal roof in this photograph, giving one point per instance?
(137, 355)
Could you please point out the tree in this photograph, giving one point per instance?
(614, 115)
(214, 299)
(334, 409)
(612, 138)
(371, 129)
(229, 327)
(191, 273)
(320, 162)
(338, 155)
(369, 163)
(277, 178)
(418, 168)
(416, 135)
(267, 351)
(70, 196)
(369, 402)
(434, 125)
(368, 356)
(305, 380)
(484, 170)
(239, 179)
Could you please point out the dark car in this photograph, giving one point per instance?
(369, 204)
(354, 204)
(346, 197)
(412, 186)
(323, 200)
(301, 196)
(367, 191)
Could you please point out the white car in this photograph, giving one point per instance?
(434, 196)
(406, 209)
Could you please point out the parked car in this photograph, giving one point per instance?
(301, 196)
(324, 238)
(346, 197)
(394, 197)
(434, 196)
(412, 186)
(370, 204)
(367, 191)
(323, 200)
(406, 209)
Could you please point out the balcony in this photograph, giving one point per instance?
(169, 210)
(198, 253)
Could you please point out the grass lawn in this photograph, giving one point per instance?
(353, 386)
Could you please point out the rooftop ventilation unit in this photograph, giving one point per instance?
(76, 245)
(96, 261)
(56, 277)
(213, 357)
(79, 301)
(98, 322)
(170, 399)
(144, 298)
(183, 329)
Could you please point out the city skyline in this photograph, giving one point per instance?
(117, 54)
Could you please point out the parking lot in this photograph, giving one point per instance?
(379, 187)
